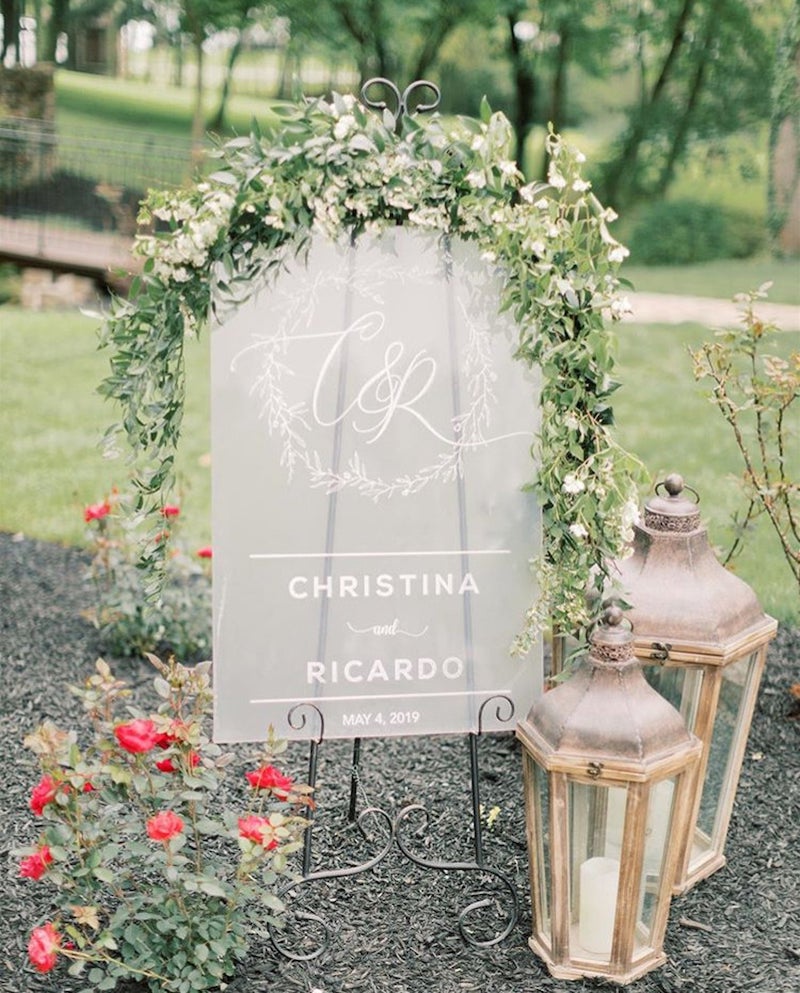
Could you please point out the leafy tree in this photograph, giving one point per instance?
(400, 41)
(701, 67)
(545, 40)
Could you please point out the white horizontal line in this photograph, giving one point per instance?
(386, 696)
(374, 555)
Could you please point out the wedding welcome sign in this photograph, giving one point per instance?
(372, 534)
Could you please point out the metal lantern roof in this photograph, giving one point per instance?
(606, 716)
(679, 591)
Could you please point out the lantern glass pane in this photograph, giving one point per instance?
(541, 830)
(681, 686)
(596, 822)
(657, 834)
(722, 770)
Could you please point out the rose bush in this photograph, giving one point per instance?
(130, 625)
(161, 871)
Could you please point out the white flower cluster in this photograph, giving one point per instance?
(197, 230)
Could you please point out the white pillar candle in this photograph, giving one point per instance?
(599, 880)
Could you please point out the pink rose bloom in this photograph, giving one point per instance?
(258, 829)
(205, 552)
(34, 866)
(270, 778)
(97, 511)
(43, 792)
(137, 736)
(163, 826)
(43, 947)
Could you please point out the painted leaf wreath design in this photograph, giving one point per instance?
(291, 421)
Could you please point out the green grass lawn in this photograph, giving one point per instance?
(722, 278)
(51, 421)
(666, 418)
(100, 105)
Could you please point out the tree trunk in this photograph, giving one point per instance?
(784, 144)
(624, 165)
(198, 129)
(11, 15)
(558, 91)
(681, 129)
(56, 25)
(217, 122)
(524, 90)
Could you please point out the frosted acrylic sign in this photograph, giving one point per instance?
(372, 540)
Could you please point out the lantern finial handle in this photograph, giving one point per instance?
(612, 615)
(674, 485)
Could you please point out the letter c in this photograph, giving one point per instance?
(293, 592)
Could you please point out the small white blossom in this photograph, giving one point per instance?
(580, 157)
(508, 168)
(542, 203)
(581, 185)
(344, 126)
(578, 531)
(620, 308)
(572, 484)
(618, 254)
(555, 179)
(476, 179)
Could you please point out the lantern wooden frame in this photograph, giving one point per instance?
(604, 728)
(702, 639)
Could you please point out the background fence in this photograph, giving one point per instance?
(72, 199)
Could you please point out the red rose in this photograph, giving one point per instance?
(43, 792)
(163, 826)
(170, 510)
(258, 829)
(205, 552)
(270, 778)
(43, 947)
(167, 765)
(34, 866)
(137, 736)
(97, 511)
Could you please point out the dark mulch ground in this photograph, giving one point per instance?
(394, 930)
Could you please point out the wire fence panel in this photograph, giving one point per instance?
(73, 198)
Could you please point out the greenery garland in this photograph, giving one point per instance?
(337, 170)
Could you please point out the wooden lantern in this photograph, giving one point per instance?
(702, 638)
(607, 765)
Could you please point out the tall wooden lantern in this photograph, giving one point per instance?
(607, 765)
(702, 637)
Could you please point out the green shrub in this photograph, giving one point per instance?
(9, 283)
(680, 232)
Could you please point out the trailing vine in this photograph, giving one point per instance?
(335, 170)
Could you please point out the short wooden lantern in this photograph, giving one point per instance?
(607, 765)
(702, 638)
